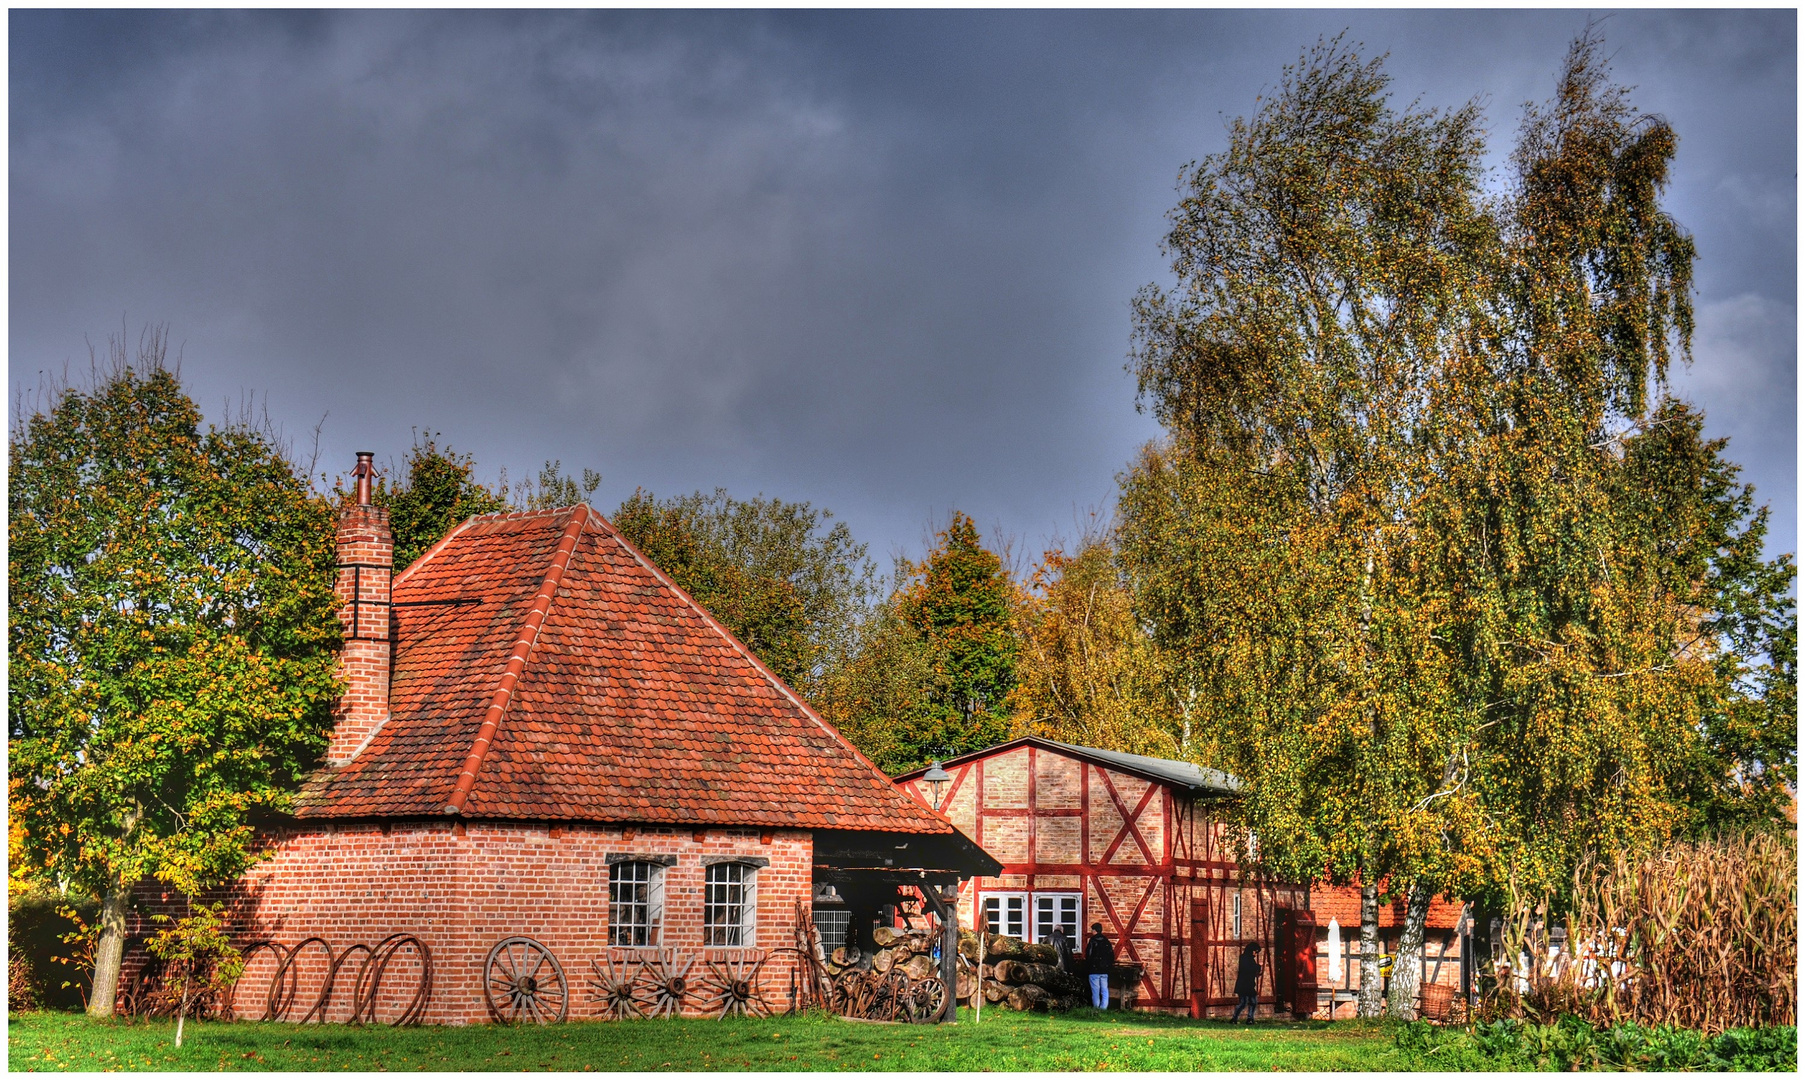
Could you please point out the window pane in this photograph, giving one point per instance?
(724, 905)
(633, 908)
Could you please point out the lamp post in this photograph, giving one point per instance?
(936, 778)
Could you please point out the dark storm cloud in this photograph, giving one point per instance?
(880, 261)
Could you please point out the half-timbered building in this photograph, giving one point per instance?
(1095, 836)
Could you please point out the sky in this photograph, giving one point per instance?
(878, 261)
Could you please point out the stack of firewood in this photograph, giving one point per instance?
(1016, 974)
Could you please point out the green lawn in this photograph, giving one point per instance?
(1084, 1040)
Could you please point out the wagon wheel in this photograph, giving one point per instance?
(734, 980)
(843, 992)
(926, 998)
(617, 988)
(888, 992)
(669, 983)
(522, 980)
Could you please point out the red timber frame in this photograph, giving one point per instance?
(1187, 870)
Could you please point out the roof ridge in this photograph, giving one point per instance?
(783, 688)
(517, 660)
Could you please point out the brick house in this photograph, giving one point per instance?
(542, 735)
(1087, 836)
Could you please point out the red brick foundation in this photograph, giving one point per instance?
(461, 887)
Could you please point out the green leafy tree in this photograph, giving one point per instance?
(1415, 534)
(962, 605)
(790, 582)
(890, 675)
(437, 494)
(172, 640)
(200, 960)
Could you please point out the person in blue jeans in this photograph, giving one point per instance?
(1099, 959)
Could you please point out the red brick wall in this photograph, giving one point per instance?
(461, 891)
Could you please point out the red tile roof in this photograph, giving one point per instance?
(1342, 903)
(574, 681)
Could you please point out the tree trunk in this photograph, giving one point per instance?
(109, 951)
(182, 1016)
(1407, 966)
(1370, 1002)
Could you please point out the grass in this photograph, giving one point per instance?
(1084, 1040)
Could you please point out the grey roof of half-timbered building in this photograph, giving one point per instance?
(1194, 780)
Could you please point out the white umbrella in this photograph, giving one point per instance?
(1334, 951)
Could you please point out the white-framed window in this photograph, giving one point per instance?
(1006, 914)
(635, 903)
(1061, 909)
(1234, 916)
(730, 905)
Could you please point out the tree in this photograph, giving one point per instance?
(552, 489)
(172, 640)
(1405, 533)
(437, 494)
(199, 956)
(1087, 672)
(790, 582)
(889, 676)
(961, 604)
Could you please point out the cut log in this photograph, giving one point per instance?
(1040, 954)
(921, 967)
(964, 986)
(999, 947)
(885, 936)
(1028, 998)
(968, 946)
(1018, 972)
(995, 991)
(883, 961)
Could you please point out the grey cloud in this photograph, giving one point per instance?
(878, 260)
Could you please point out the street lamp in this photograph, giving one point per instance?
(936, 778)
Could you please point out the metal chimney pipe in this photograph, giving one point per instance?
(366, 469)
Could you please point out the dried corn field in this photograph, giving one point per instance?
(1703, 936)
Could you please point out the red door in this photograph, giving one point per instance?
(1294, 961)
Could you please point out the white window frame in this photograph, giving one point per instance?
(653, 903)
(1235, 915)
(718, 900)
(1043, 929)
(1003, 921)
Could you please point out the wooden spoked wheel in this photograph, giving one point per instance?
(522, 980)
(734, 980)
(926, 998)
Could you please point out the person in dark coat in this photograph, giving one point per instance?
(1068, 960)
(1099, 959)
(1247, 983)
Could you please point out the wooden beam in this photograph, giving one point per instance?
(949, 951)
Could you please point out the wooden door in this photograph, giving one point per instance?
(1294, 961)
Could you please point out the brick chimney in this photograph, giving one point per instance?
(366, 562)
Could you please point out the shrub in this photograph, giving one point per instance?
(1572, 1044)
(35, 927)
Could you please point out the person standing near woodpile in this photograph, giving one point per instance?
(1100, 958)
(1247, 983)
(1068, 960)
